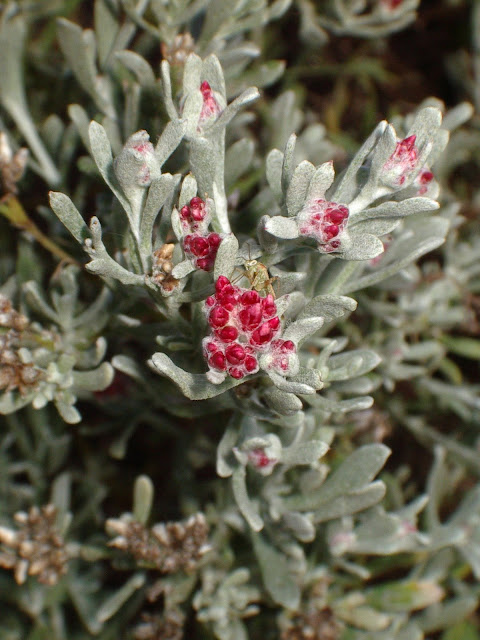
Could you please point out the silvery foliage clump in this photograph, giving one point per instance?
(295, 482)
(360, 18)
(63, 354)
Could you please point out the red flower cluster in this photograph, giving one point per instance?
(243, 325)
(324, 221)
(199, 245)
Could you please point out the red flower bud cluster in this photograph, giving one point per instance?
(210, 107)
(402, 161)
(137, 163)
(195, 217)
(324, 221)
(243, 326)
(423, 179)
(202, 249)
(260, 460)
(199, 245)
(282, 357)
(145, 150)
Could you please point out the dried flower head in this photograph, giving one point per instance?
(162, 267)
(36, 548)
(14, 372)
(12, 166)
(179, 49)
(315, 625)
(372, 425)
(9, 317)
(168, 626)
(169, 547)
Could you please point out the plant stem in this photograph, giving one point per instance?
(25, 124)
(11, 208)
(336, 275)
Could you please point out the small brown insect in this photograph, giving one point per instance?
(259, 278)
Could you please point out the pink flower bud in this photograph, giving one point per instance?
(222, 283)
(185, 212)
(200, 247)
(195, 216)
(218, 361)
(197, 208)
(287, 346)
(218, 317)
(228, 333)
(226, 293)
(269, 306)
(251, 364)
(205, 264)
(235, 354)
(264, 334)
(329, 247)
(331, 231)
(236, 373)
(214, 240)
(274, 323)
(336, 215)
(251, 317)
(250, 297)
(406, 149)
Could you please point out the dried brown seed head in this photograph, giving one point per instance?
(168, 547)
(179, 49)
(36, 548)
(162, 266)
(314, 625)
(12, 166)
(168, 626)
